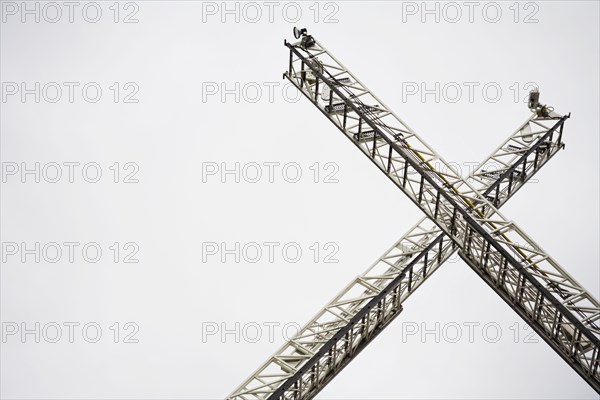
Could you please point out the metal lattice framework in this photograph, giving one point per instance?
(461, 215)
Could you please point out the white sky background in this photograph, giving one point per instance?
(174, 53)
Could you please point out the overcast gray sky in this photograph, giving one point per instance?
(192, 211)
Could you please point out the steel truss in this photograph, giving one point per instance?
(461, 216)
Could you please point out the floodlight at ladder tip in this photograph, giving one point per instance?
(534, 99)
(306, 40)
(542, 110)
(298, 32)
